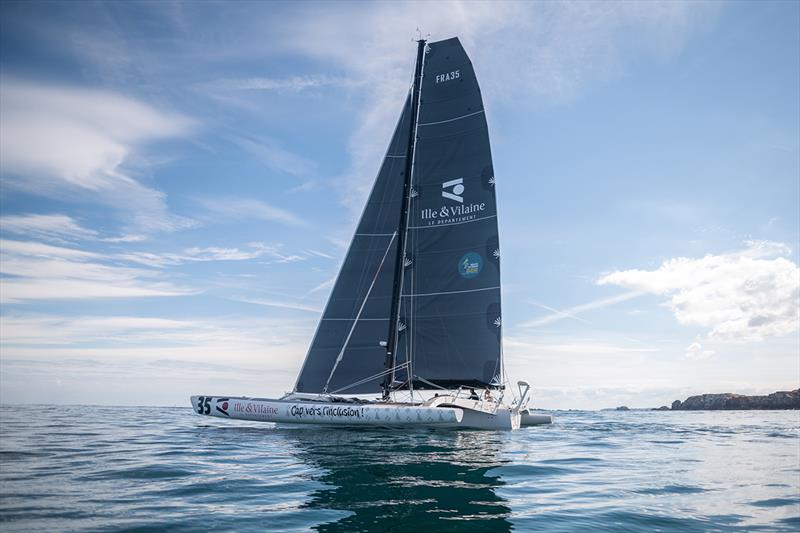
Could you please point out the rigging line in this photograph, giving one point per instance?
(361, 381)
(430, 383)
(451, 119)
(353, 327)
(370, 378)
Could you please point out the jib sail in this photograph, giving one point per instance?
(355, 322)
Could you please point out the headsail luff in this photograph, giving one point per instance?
(402, 245)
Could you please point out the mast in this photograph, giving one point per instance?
(391, 344)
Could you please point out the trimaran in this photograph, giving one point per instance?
(416, 305)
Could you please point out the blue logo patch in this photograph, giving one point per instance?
(470, 265)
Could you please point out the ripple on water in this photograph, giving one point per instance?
(79, 468)
(572, 460)
(140, 472)
(7, 456)
(672, 489)
(777, 502)
(528, 471)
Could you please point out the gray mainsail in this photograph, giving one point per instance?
(435, 269)
(451, 290)
(356, 319)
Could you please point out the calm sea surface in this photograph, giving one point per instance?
(116, 468)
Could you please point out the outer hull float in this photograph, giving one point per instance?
(527, 418)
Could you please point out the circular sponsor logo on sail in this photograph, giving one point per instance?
(470, 265)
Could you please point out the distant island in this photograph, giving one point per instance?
(728, 401)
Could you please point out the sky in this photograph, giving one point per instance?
(179, 182)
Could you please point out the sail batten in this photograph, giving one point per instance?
(451, 119)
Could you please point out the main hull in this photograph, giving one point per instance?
(458, 413)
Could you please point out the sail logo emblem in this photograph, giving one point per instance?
(470, 265)
(456, 187)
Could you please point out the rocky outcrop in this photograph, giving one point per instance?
(728, 401)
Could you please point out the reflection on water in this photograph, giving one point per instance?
(406, 481)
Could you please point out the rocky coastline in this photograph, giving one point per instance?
(729, 401)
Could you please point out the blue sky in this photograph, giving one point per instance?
(180, 182)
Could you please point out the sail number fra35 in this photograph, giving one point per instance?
(448, 76)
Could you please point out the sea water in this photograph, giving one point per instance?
(117, 468)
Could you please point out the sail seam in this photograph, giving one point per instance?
(396, 156)
(453, 223)
(374, 234)
(449, 292)
(359, 319)
(450, 119)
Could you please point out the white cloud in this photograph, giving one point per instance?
(125, 238)
(696, 351)
(58, 140)
(36, 271)
(319, 254)
(134, 359)
(52, 227)
(197, 254)
(18, 290)
(142, 330)
(290, 84)
(551, 50)
(607, 370)
(58, 228)
(279, 304)
(746, 295)
(276, 157)
(324, 286)
(253, 250)
(215, 253)
(36, 249)
(241, 208)
(522, 348)
(571, 312)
